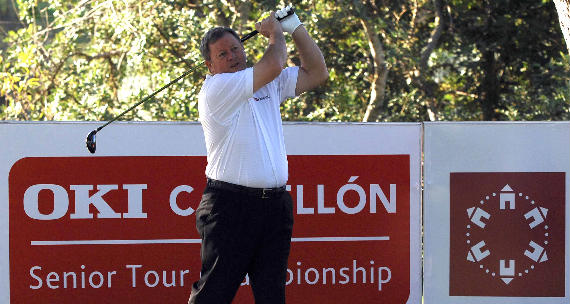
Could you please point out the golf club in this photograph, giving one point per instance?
(91, 137)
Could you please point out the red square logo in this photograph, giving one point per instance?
(507, 234)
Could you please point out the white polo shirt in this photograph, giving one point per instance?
(243, 130)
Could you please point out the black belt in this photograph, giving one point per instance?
(254, 192)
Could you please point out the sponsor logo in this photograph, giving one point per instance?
(261, 98)
(507, 234)
(101, 227)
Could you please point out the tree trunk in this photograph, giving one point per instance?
(221, 18)
(240, 10)
(244, 10)
(563, 9)
(490, 86)
(380, 76)
(379, 67)
(429, 87)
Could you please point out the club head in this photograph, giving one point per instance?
(90, 142)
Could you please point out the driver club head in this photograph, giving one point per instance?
(90, 142)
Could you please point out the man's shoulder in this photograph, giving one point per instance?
(220, 83)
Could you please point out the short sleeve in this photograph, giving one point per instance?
(288, 83)
(223, 94)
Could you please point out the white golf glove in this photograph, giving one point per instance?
(290, 23)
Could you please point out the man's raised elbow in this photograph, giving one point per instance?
(323, 76)
(276, 66)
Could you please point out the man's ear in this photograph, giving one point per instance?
(209, 65)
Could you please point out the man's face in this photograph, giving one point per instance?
(226, 55)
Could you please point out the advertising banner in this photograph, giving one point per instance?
(119, 226)
(496, 217)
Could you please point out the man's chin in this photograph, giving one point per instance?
(238, 68)
(233, 69)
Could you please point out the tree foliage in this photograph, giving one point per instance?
(410, 60)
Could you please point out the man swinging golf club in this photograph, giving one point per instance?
(245, 217)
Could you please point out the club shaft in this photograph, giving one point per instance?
(150, 96)
(253, 33)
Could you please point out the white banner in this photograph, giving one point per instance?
(118, 226)
(496, 217)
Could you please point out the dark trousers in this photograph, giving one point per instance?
(242, 233)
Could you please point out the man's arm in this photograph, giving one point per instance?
(274, 58)
(313, 70)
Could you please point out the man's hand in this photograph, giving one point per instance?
(269, 26)
(290, 23)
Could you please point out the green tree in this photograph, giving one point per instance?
(503, 60)
(388, 60)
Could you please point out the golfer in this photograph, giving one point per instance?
(245, 217)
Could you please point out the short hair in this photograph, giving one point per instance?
(212, 36)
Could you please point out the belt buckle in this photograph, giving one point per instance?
(265, 192)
